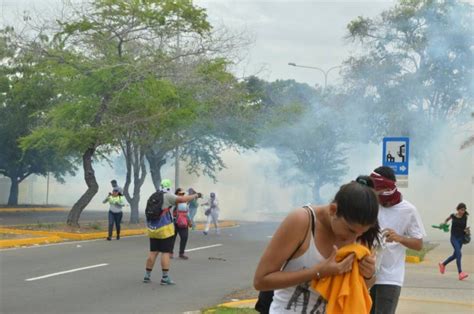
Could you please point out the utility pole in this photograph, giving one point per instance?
(176, 152)
(47, 189)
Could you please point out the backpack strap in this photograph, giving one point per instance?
(311, 223)
(313, 215)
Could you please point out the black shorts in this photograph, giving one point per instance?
(161, 245)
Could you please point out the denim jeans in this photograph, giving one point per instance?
(457, 254)
(117, 219)
(384, 298)
(192, 212)
(183, 238)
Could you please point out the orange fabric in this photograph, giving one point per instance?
(346, 293)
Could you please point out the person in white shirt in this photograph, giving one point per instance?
(402, 228)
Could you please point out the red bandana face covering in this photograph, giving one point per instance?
(390, 195)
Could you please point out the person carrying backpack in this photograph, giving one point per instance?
(181, 224)
(160, 228)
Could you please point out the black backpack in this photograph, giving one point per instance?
(154, 206)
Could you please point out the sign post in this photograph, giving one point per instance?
(395, 154)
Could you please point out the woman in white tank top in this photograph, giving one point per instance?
(294, 256)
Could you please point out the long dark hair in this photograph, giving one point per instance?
(358, 203)
(462, 206)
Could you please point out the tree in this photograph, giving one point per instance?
(218, 118)
(302, 130)
(144, 111)
(415, 70)
(25, 93)
(100, 52)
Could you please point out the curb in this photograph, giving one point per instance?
(59, 236)
(28, 241)
(32, 209)
(412, 259)
(241, 303)
(250, 303)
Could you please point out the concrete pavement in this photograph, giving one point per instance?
(425, 289)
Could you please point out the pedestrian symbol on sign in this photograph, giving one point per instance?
(395, 154)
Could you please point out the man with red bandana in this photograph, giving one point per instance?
(402, 228)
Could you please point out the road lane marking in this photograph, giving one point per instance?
(66, 272)
(203, 247)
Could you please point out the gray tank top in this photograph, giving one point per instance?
(301, 298)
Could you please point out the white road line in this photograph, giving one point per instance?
(66, 272)
(203, 247)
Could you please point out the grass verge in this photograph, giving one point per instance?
(427, 246)
(228, 310)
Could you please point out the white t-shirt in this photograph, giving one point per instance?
(406, 221)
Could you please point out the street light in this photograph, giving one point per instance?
(325, 73)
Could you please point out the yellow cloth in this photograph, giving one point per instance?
(346, 293)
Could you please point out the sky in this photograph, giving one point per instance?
(307, 32)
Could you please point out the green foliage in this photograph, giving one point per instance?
(427, 247)
(96, 225)
(302, 131)
(212, 116)
(415, 72)
(26, 94)
(229, 310)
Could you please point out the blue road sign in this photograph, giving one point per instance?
(396, 152)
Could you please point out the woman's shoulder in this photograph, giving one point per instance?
(299, 216)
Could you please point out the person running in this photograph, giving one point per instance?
(458, 230)
(212, 213)
(295, 256)
(164, 246)
(402, 228)
(192, 206)
(116, 202)
(181, 224)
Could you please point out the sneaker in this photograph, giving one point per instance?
(463, 275)
(205, 232)
(171, 255)
(182, 256)
(118, 237)
(146, 279)
(166, 281)
(442, 268)
(109, 239)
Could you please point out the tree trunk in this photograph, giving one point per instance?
(156, 161)
(92, 188)
(135, 163)
(134, 210)
(14, 189)
(316, 195)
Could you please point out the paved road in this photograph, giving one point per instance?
(117, 287)
(427, 291)
(201, 282)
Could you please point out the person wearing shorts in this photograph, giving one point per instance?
(164, 246)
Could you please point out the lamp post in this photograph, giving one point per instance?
(325, 73)
(176, 152)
